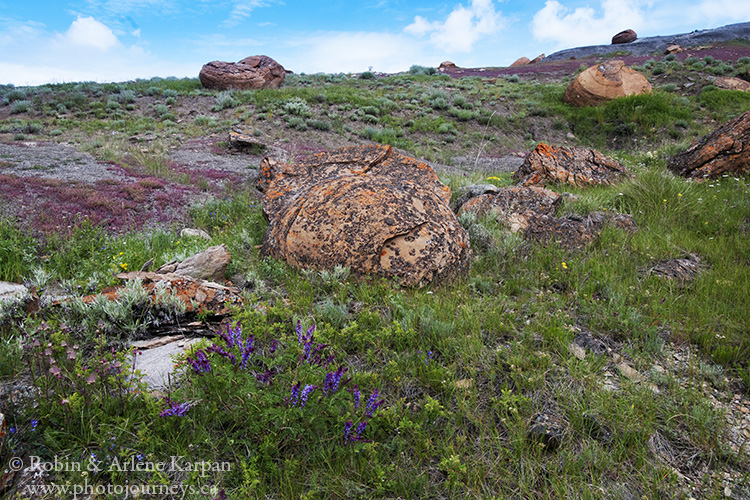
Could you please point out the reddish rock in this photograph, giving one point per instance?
(732, 83)
(521, 61)
(199, 296)
(726, 150)
(447, 65)
(568, 165)
(254, 72)
(673, 49)
(537, 59)
(365, 207)
(626, 36)
(604, 82)
(514, 206)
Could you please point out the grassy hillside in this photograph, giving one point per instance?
(544, 372)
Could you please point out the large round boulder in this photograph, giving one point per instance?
(365, 207)
(604, 82)
(626, 36)
(254, 72)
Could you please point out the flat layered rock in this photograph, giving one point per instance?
(726, 150)
(367, 208)
(569, 165)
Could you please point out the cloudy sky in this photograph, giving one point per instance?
(55, 41)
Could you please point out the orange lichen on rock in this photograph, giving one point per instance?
(365, 207)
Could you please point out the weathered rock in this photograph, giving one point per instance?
(673, 49)
(574, 232)
(210, 264)
(254, 72)
(13, 292)
(682, 270)
(726, 150)
(521, 61)
(194, 233)
(199, 296)
(447, 65)
(568, 165)
(548, 430)
(155, 358)
(732, 83)
(537, 59)
(468, 192)
(367, 208)
(514, 206)
(604, 82)
(247, 141)
(626, 36)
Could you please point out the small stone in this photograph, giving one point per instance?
(630, 372)
(728, 492)
(464, 383)
(577, 351)
(194, 233)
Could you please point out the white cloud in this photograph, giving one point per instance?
(243, 9)
(720, 11)
(461, 29)
(582, 26)
(350, 52)
(89, 33)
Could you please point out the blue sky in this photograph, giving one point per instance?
(56, 41)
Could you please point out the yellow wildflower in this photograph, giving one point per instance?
(564, 265)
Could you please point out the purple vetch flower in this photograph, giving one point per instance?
(175, 409)
(200, 362)
(309, 388)
(221, 352)
(247, 351)
(274, 345)
(295, 395)
(356, 394)
(333, 380)
(347, 430)
(34, 423)
(428, 358)
(299, 332)
(265, 378)
(373, 403)
(360, 428)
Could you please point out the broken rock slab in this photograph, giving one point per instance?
(513, 206)
(574, 232)
(548, 164)
(210, 264)
(726, 150)
(199, 296)
(682, 270)
(155, 359)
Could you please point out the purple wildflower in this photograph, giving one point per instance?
(428, 358)
(373, 403)
(221, 352)
(356, 393)
(309, 388)
(360, 428)
(200, 362)
(295, 395)
(333, 380)
(347, 430)
(299, 332)
(265, 378)
(249, 348)
(274, 345)
(222, 495)
(175, 409)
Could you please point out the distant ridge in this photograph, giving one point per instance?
(649, 45)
